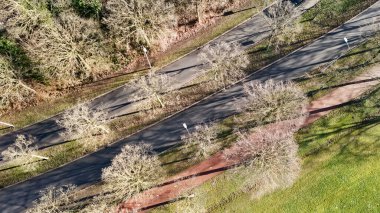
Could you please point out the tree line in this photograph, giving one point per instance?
(65, 42)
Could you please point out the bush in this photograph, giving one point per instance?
(227, 62)
(135, 169)
(88, 8)
(81, 122)
(135, 23)
(152, 87)
(274, 101)
(53, 199)
(270, 156)
(22, 149)
(202, 141)
(15, 92)
(20, 60)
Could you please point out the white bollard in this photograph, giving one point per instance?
(40, 157)
(6, 124)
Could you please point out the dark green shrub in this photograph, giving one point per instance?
(19, 60)
(88, 8)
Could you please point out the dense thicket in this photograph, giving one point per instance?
(66, 42)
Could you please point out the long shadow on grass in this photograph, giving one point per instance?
(221, 169)
(18, 166)
(313, 92)
(361, 127)
(186, 178)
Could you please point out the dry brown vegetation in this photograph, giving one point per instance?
(14, 90)
(22, 149)
(135, 22)
(152, 87)
(227, 62)
(135, 169)
(67, 45)
(270, 154)
(202, 141)
(281, 19)
(273, 101)
(53, 199)
(84, 124)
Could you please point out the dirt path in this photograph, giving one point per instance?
(173, 187)
(343, 94)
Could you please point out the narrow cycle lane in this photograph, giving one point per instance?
(163, 135)
(117, 102)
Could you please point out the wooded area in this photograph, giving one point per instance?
(61, 43)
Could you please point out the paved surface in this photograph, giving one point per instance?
(167, 133)
(198, 174)
(343, 94)
(118, 102)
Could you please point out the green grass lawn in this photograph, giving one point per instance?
(321, 81)
(340, 152)
(315, 84)
(340, 169)
(173, 161)
(341, 166)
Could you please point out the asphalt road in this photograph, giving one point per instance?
(118, 102)
(165, 134)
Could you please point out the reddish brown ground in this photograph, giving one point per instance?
(173, 187)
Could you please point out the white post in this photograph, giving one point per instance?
(346, 40)
(185, 126)
(146, 56)
(40, 157)
(7, 124)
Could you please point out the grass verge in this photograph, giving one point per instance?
(49, 107)
(123, 126)
(341, 162)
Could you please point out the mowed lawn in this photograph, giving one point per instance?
(341, 166)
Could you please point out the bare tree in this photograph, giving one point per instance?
(274, 101)
(65, 47)
(73, 54)
(227, 61)
(53, 199)
(83, 122)
(23, 17)
(281, 19)
(133, 170)
(207, 7)
(23, 153)
(21, 149)
(139, 21)
(270, 154)
(14, 90)
(202, 141)
(152, 87)
(88, 40)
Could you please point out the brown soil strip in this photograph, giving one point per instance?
(196, 175)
